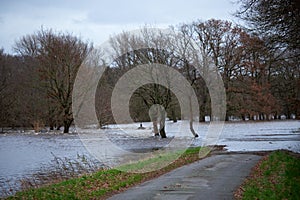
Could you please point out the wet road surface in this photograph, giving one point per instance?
(215, 177)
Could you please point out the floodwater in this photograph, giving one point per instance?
(237, 136)
(22, 155)
(25, 154)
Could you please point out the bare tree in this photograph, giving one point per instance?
(277, 23)
(275, 20)
(59, 55)
(6, 99)
(183, 47)
(149, 47)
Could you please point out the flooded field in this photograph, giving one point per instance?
(237, 136)
(25, 154)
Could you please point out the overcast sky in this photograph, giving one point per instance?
(96, 20)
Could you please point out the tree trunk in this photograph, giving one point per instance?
(201, 117)
(162, 123)
(192, 129)
(288, 115)
(162, 132)
(67, 124)
(227, 117)
(243, 117)
(155, 128)
(66, 127)
(174, 116)
(192, 118)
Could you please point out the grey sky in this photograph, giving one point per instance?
(96, 20)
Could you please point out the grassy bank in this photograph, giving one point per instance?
(104, 183)
(276, 176)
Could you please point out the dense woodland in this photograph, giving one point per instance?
(258, 62)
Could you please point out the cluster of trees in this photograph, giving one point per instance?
(37, 83)
(258, 65)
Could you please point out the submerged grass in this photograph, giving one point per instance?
(57, 170)
(276, 176)
(155, 161)
(106, 182)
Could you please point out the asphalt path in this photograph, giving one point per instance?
(215, 177)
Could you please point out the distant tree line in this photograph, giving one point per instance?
(259, 65)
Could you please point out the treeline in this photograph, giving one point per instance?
(261, 79)
(261, 73)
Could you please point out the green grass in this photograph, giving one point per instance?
(85, 187)
(156, 161)
(107, 182)
(276, 177)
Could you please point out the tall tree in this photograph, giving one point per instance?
(220, 41)
(277, 20)
(60, 56)
(150, 47)
(6, 98)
